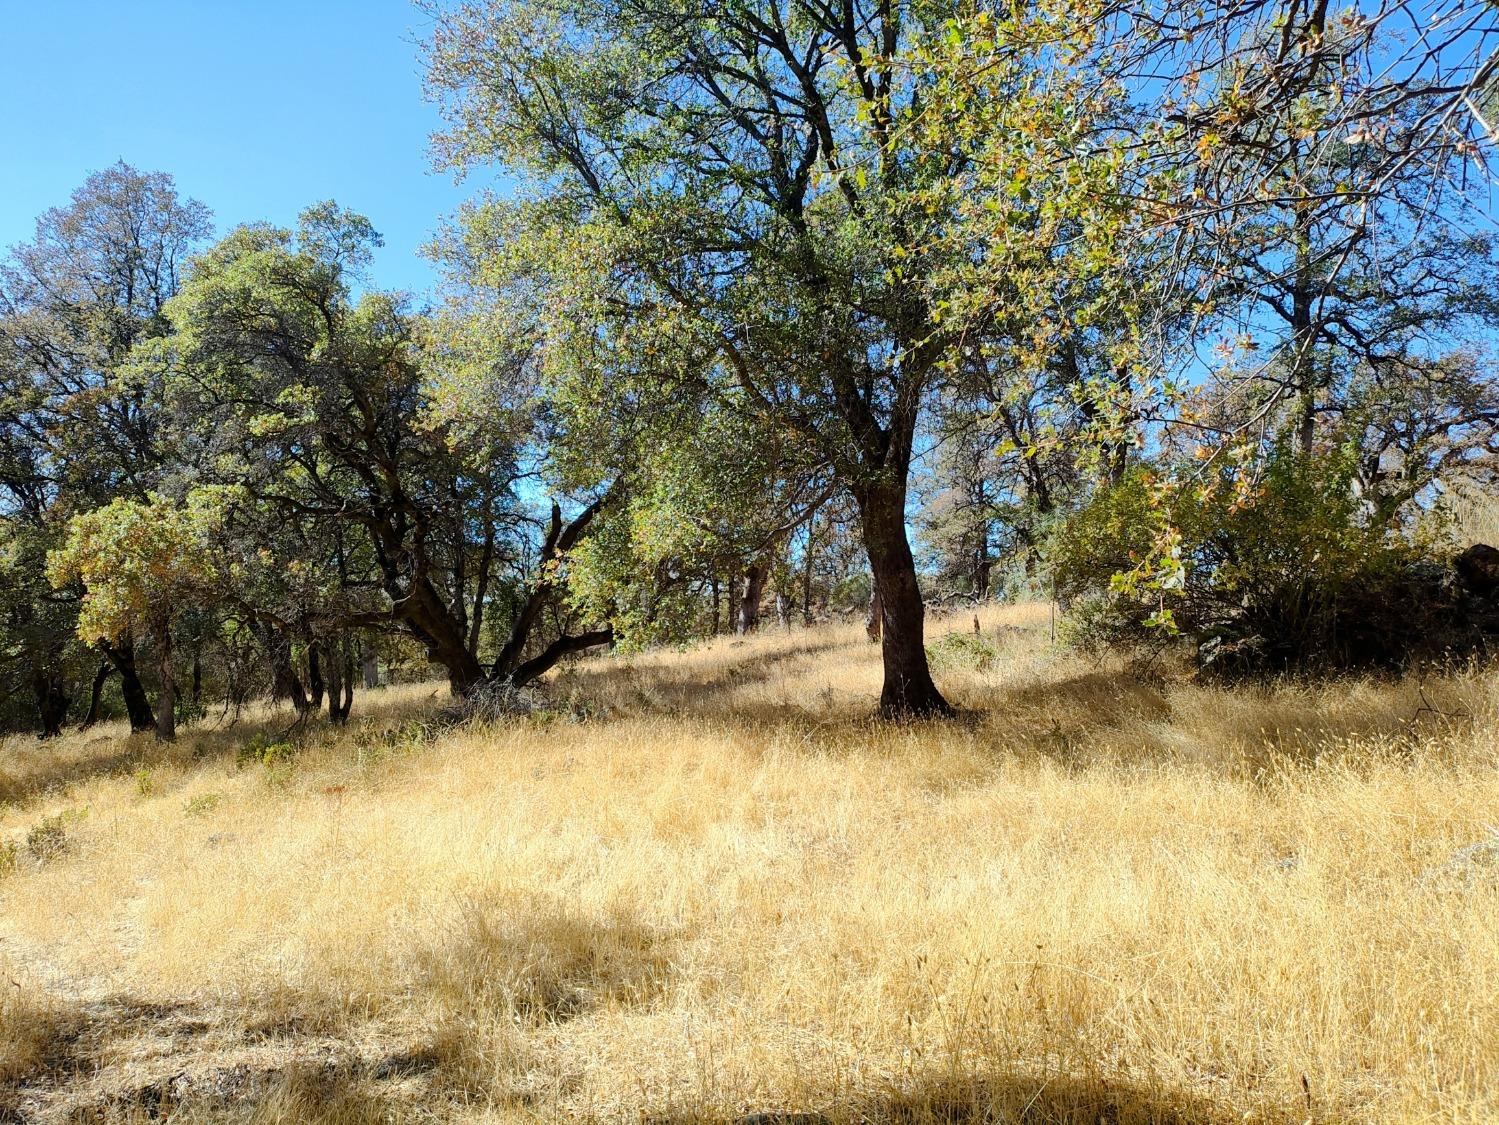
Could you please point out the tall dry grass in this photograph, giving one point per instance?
(711, 885)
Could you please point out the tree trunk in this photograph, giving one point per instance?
(370, 665)
(137, 705)
(755, 576)
(983, 568)
(807, 571)
(51, 701)
(909, 690)
(873, 616)
(713, 585)
(166, 700)
(314, 676)
(340, 681)
(735, 590)
(285, 683)
(96, 695)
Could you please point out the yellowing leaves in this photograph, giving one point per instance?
(137, 560)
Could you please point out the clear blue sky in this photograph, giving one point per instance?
(257, 107)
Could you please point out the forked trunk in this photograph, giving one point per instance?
(909, 690)
(340, 680)
(137, 705)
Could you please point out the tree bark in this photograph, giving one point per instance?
(755, 576)
(285, 683)
(370, 665)
(542, 663)
(137, 704)
(873, 616)
(909, 690)
(96, 695)
(340, 681)
(314, 675)
(807, 572)
(735, 590)
(52, 701)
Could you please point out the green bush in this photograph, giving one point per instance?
(1281, 569)
(962, 650)
(264, 751)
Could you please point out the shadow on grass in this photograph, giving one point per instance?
(539, 965)
(33, 768)
(687, 689)
(1000, 1100)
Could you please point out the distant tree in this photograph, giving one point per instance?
(78, 426)
(142, 565)
(323, 412)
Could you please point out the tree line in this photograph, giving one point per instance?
(798, 303)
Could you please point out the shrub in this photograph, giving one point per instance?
(264, 751)
(962, 650)
(1287, 569)
(48, 839)
(201, 805)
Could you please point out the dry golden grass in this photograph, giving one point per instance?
(1472, 511)
(717, 887)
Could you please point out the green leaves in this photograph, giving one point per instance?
(139, 561)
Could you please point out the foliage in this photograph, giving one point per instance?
(139, 561)
(202, 805)
(1279, 566)
(963, 650)
(263, 750)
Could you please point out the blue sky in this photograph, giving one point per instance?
(257, 107)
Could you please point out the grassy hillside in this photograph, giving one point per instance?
(707, 884)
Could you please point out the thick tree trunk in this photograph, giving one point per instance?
(909, 690)
(166, 700)
(982, 569)
(755, 576)
(874, 616)
(137, 705)
(96, 695)
(369, 665)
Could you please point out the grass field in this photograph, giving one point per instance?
(707, 884)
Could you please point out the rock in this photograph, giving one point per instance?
(1478, 567)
